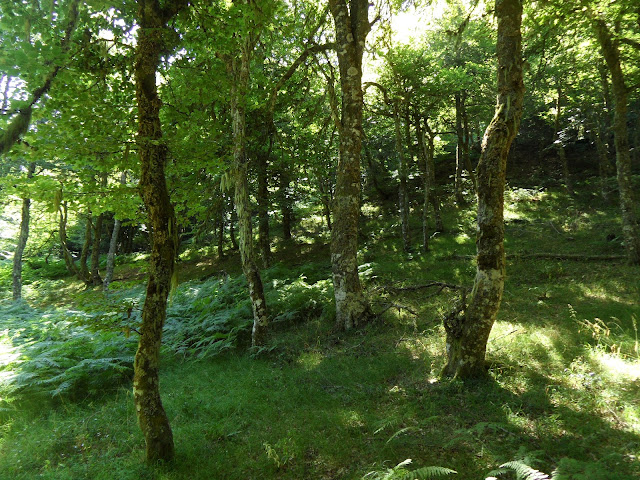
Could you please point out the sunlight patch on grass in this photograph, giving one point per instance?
(310, 360)
(617, 368)
(351, 418)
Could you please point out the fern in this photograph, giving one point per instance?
(400, 472)
(522, 471)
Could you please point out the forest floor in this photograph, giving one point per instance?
(317, 404)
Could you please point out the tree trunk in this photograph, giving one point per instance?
(604, 166)
(84, 254)
(232, 231)
(351, 26)
(466, 144)
(152, 151)
(459, 151)
(403, 199)
(239, 70)
(95, 252)
(62, 233)
(22, 241)
(611, 53)
(431, 173)
(113, 243)
(558, 142)
(422, 155)
(468, 330)
(221, 235)
(263, 207)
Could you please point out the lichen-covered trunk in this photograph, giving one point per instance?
(23, 236)
(403, 198)
(239, 69)
(630, 227)
(152, 152)
(467, 334)
(351, 26)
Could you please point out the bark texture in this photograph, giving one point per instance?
(152, 152)
(468, 327)
(611, 53)
(239, 70)
(23, 236)
(352, 27)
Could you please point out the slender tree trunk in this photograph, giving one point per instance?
(459, 151)
(468, 330)
(232, 231)
(239, 70)
(22, 240)
(113, 243)
(611, 53)
(152, 151)
(95, 251)
(352, 27)
(562, 157)
(263, 208)
(62, 233)
(466, 144)
(84, 254)
(604, 166)
(403, 199)
(431, 172)
(422, 155)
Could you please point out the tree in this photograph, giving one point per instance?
(22, 240)
(153, 40)
(351, 28)
(610, 50)
(468, 330)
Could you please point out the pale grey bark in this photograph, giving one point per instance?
(23, 236)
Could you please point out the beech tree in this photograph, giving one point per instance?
(468, 330)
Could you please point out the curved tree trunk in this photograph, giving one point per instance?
(152, 153)
(468, 332)
(351, 26)
(611, 53)
(22, 241)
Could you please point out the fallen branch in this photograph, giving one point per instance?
(442, 286)
(551, 256)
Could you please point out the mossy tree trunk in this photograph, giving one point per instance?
(611, 53)
(468, 332)
(152, 151)
(23, 236)
(238, 68)
(352, 27)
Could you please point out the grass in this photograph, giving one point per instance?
(317, 404)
